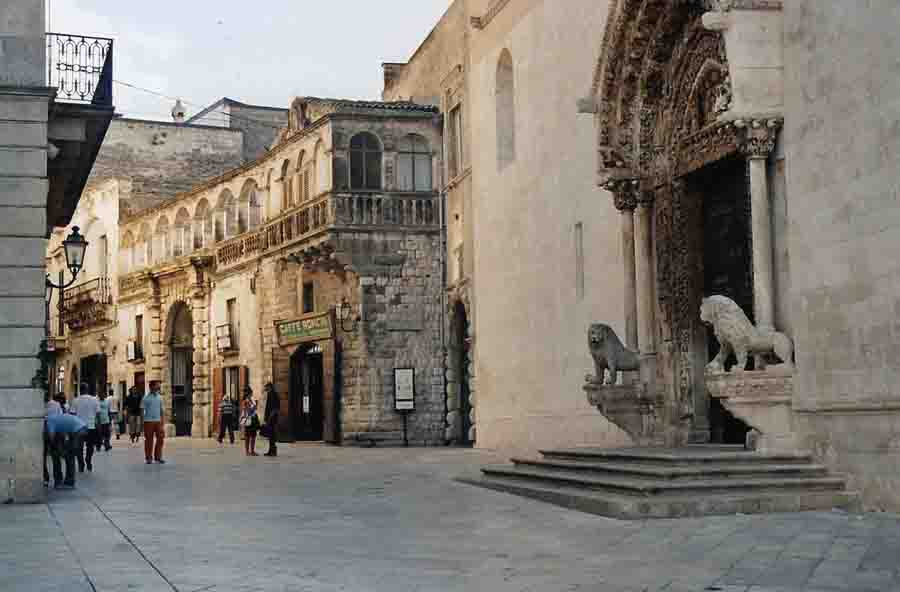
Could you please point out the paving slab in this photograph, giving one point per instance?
(326, 519)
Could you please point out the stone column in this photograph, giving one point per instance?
(625, 201)
(759, 143)
(643, 242)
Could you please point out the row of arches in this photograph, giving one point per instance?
(296, 181)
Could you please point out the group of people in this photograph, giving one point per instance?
(245, 416)
(74, 430)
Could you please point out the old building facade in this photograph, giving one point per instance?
(54, 113)
(241, 280)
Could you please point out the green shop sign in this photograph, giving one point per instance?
(308, 328)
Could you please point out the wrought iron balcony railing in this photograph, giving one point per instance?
(81, 68)
(87, 304)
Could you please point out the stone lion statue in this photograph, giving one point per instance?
(609, 354)
(736, 334)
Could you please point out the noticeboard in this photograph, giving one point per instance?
(316, 327)
(404, 389)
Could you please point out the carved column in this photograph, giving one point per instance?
(625, 199)
(758, 144)
(643, 242)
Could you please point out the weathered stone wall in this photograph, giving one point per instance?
(532, 317)
(260, 126)
(23, 202)
(163, 159)
(843, 148)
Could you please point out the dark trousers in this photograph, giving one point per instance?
(104, 432)
(273, 438)
(64, 447)
(86, 450)
(227, 423)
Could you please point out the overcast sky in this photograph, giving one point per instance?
(257, 51)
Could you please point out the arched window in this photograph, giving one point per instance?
(506, 110)
(202, 224)
(286, 197)
(365, 162)
(182, 243)
(163, 241)
(414, 164)
(248, 204)
(126, 253)
(144, 251)
(321, 169)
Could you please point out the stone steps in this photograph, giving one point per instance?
(641, 483)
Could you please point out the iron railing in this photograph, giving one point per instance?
(95, 291)
(81, 68)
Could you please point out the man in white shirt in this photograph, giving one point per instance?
(86, 407)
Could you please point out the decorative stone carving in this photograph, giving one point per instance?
(632, 409)
(736, 334)
(625, 193)
(609, 355)
(762, 399)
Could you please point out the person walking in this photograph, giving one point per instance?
(249, 421)
(65, 433)
(133, 410)
(115, 415)
(154, 435)
(227, 419)
(273, 407)
(104, 424)
(86, 407)
(53, 408)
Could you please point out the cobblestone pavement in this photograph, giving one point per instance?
(327, 519)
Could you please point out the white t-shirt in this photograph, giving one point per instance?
(86, 408)
(114, 404)
(53, 408)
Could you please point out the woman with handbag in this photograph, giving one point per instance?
(249, 422)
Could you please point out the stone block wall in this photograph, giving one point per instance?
(163, 159)
(842, 134)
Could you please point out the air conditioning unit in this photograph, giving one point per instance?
(131, 352)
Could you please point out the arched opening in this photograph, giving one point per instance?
(180, 342)
(322, 179)
(307, 393)
(144, 248)
(162, 241)
(248, 207)
(225, 216)
(287, 198)
(414, 164)
(126, 253)
(203, 223)
(506, 110)
(182, 242)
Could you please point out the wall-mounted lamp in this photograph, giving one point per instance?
(75, 247)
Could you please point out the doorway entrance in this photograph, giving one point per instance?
(181, 361)
(463, 359)
(93, 373)
(727, 263)
(307, 393)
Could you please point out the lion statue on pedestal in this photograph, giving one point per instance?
(736, 334)
(609, 354)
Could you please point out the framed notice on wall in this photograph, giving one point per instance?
(404, 389)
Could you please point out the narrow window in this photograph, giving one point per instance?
(103, 250)
(414, 164)
(365, 162)
(139, 337)
(454, 148)
(579, 261)
(233, 321)
(309, 298)
(506, 110)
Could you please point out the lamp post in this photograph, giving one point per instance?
(74, 247)
(344, 314)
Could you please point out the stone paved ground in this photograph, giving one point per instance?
(329, 519)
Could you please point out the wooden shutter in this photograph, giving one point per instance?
(218, 390)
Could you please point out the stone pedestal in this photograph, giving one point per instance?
(762, 400)
(630, 408)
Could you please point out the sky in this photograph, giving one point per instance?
(261, 52)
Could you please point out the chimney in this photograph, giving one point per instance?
(178, 112)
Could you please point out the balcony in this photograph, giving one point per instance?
(226, 340)
(88, 304)
(80, 70)
(356, 212)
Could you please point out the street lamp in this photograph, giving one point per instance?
(74, 247)
(344, 312)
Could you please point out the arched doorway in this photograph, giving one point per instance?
(307, 393)
(461, 360)
(181, 364)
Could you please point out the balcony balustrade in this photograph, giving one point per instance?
(81, 68)
(87, 304)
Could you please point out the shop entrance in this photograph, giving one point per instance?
(307, 393)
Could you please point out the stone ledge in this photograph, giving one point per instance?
(762, 399)
(630, 408)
